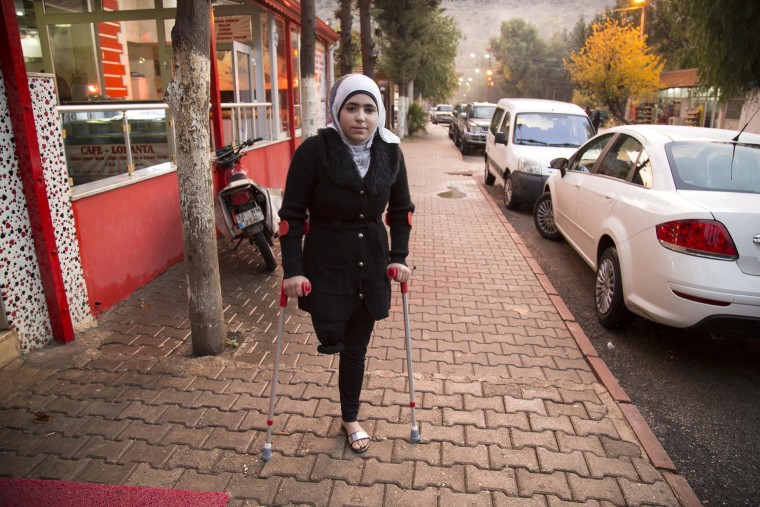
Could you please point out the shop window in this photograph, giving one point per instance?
(141, 48)
(127, 5)
(734, 109)
(30, 37)
(266, 51)
(173, 3)
(96, 147)
(295, 41)
(282, 77)
(30, 45)
(67, 6)
(76, 69)
(169, 49)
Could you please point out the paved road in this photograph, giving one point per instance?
(700, 395)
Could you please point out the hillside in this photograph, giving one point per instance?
(480, 20)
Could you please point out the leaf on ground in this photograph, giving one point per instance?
(41, 417)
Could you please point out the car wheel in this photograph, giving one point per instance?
(509, 195)
(543, 217)
(610, 304)
(464, 147)
(488, 178)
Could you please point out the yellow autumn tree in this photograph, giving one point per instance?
(615, 64)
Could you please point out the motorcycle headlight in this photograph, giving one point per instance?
(529, 166)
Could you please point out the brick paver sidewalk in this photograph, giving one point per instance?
(511, 412)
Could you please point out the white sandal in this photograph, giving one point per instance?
(355, 437)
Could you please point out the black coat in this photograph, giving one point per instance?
(346, 251)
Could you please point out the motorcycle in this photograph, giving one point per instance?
(243, 209)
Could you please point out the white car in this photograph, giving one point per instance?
(669, 218)
(442, 113)
(524, 136)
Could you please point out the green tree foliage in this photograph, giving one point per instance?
(613, 65)
(723, 42)
(405, 25)
(578, 35)
(527, 66)
(355, 54)
(412, 52)
(665, 29)
(437, 76)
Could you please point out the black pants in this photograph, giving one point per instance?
(355, 334)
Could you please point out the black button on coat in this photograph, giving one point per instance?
(346, 251)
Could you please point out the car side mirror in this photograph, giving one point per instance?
(500, 138)
(559, 163)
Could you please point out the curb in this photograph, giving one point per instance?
(652, 446)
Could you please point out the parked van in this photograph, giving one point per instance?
(524, 136)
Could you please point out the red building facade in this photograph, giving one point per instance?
(102, 145)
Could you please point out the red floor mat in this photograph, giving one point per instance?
(36, 493)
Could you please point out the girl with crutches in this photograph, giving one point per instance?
(342, 180)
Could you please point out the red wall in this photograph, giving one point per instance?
(128, 236)
(268, 166)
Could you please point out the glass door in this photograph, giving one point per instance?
(237, 88)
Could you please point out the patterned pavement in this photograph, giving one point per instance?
(514, 405)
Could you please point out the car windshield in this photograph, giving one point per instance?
(445, 108)
(723, 167)
(552, 129)
(485, 112)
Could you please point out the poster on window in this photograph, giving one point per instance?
(90, 162)
(232, 28)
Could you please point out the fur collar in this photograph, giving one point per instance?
(341, 169)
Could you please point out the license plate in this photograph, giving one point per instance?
(249, 217)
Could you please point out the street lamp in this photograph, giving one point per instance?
(640, 4)
(473, 55)
(643, 4)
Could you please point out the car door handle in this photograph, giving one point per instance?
(609, 197)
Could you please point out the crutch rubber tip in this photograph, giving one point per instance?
(415, 436)
(266, 453)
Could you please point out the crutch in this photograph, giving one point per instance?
(266, 453)
(415, 436)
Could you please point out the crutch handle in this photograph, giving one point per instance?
(305, 286)
(392, 272)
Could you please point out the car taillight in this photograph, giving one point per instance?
(703, 238)
(239, 197)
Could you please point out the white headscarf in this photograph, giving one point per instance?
(342, 89)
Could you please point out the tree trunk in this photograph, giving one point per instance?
(345, 50)
(188, 98)
(309, 103)
(403, 108)
(368, 45)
